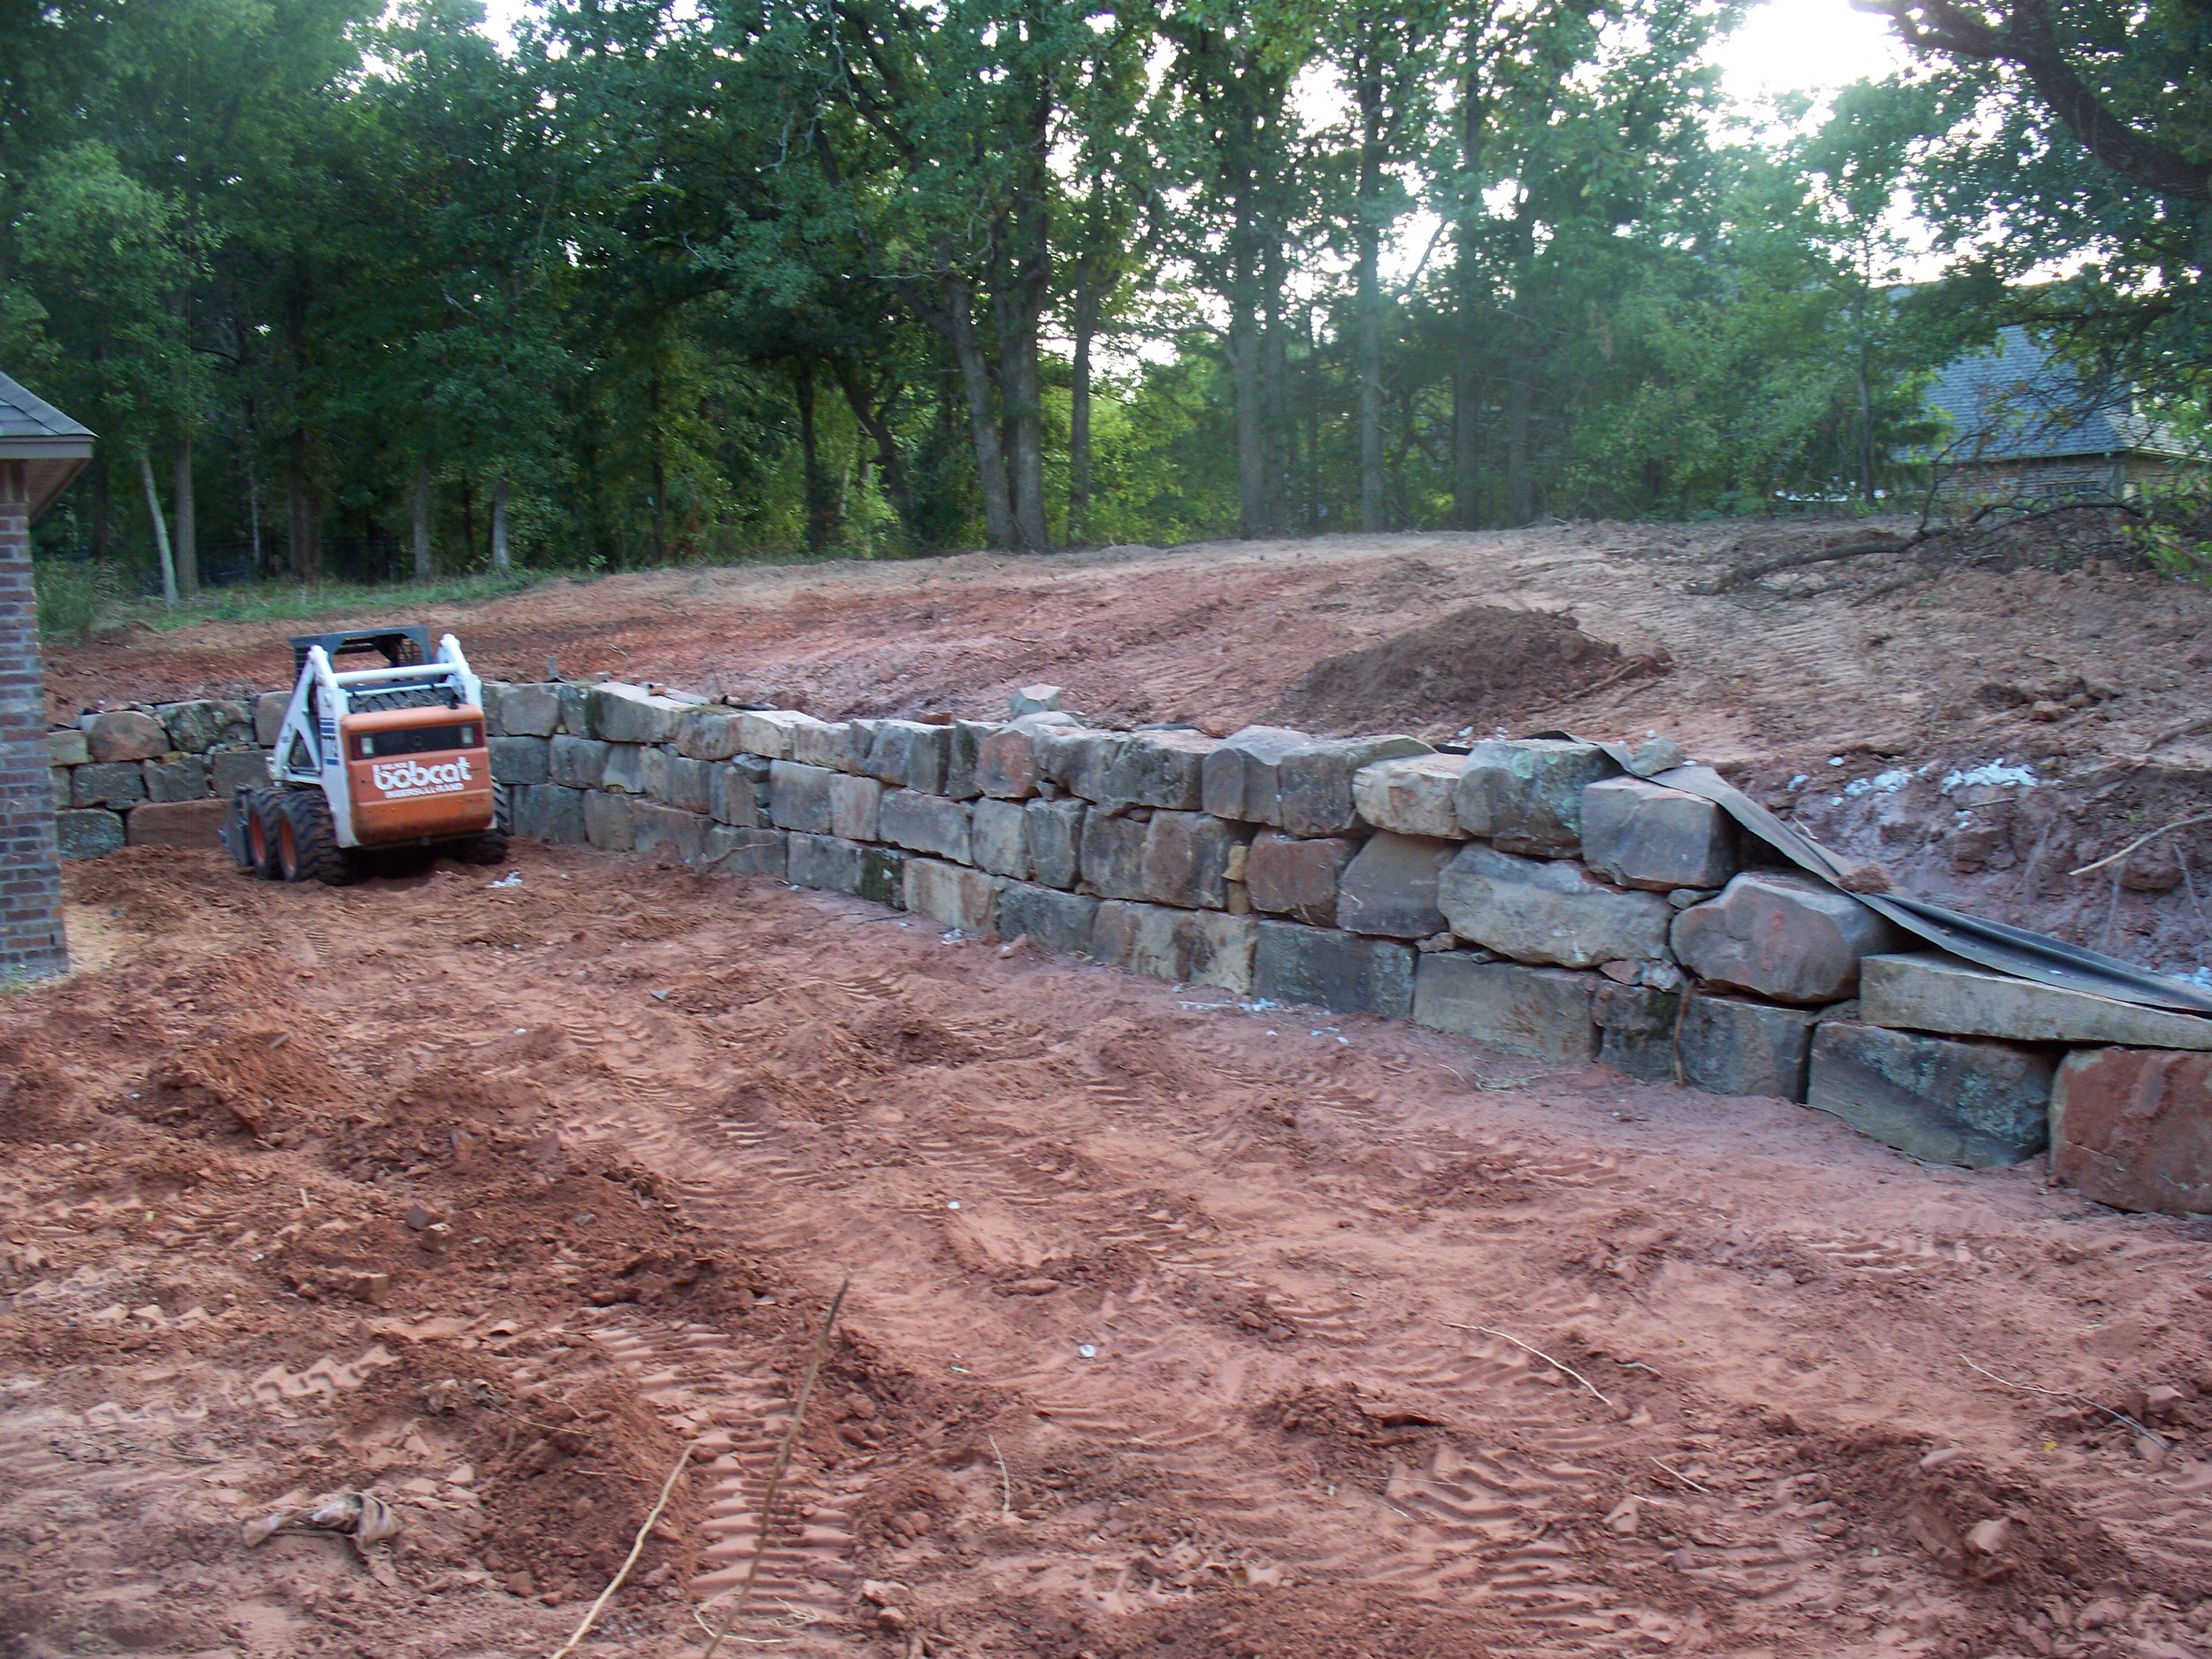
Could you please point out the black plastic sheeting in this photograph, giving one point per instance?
(2007, 949)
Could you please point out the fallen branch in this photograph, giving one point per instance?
(1526, 1348)
(2187, 728)
(2122, 1418)
(637, 1548)
(1005, 1482)
(1745, 574)
(2143, 840)
(775, 1473)
(1684, 1478)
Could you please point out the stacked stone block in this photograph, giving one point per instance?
(157, 776)
(1521, 894)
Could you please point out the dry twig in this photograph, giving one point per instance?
(2143, 840)
(1526, 1348)
(2080, 1400)
(775, 1472)
(1684, 1478)
(1005, 1482)
(637, 1548)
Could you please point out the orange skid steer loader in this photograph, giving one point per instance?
(386, 757)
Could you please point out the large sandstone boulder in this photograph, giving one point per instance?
(1313, 783)
(1547, 911)
(1289, 875)
(2132, 1128)
(629, 714)
(1784, 937)
(1159, 768)
(1186, 860)
(125, 734)
(1240, 773)
(1525, 796)
(1544, 1012)
(1113, 856)
(1411, 794)
(1930, 991)
(1390, 886)
(1643, 835)
(1056, 840)
(1944, 1100)
(1333, 969)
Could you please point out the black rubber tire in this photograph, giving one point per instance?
(307, 841)
(263, 818)
(490, 847)
(236, 823)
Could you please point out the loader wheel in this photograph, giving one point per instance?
(490, 847)
(237, 832)
(263, 818)
(307, 841)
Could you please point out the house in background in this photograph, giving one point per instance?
(2023, 425)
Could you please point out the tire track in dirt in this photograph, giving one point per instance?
(1474, 1517)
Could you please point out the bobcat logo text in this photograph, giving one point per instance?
(401, 780)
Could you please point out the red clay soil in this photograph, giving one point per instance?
(1175, 1327)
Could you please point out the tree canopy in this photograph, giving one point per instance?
(355, 289)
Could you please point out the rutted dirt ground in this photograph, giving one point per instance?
(1802, 686)
(1175, 1328)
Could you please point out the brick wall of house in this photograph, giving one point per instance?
(31, 942)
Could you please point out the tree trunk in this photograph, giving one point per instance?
(1275, 433)
(660, 473)
(422, 521)
(819, 510)
(501, 562)
(879, 430)
(1244, 376)
(1021, 382)
(1866, 428)
(161, 530)
(303, 532)
(1520, 490)
(303, 544)
(468, 522)
(1018, 305)
(1474, 114)
(187, 538)
(1086, 320)
(253, 511)
(1374, 515)
(975, 380)
(102, 514)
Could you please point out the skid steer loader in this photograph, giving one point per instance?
(388, 756)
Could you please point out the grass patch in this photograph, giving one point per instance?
(72, 596)
(75, 615)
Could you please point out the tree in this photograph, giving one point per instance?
(2079, 131)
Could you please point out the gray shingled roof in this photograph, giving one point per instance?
(28, 419)
(54, 447)
(2014, 403)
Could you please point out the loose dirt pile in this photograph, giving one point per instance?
(1486, 667)
(1166, 1333)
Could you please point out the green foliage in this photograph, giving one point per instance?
(747, 279)
(72, 595)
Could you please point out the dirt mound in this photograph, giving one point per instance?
(1480, 668)
(257, 1081)
(1347, 1436)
